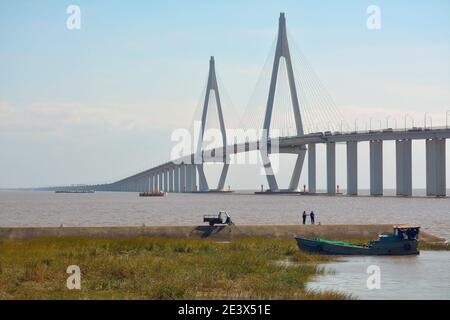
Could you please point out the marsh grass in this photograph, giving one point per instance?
(434, 246)
(146, 268)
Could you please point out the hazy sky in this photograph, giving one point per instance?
(97, 104)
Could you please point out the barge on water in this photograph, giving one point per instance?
(74, 191)
(152, 194)
(404, 241)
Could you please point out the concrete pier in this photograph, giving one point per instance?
(331, 168)
(155, 182)
(224, 233)
(160, 181)
(403, 167)
(183, 178)
(435, 167)
(376, 168)
(188, 178)
(152, 183)
(352, 167)
(146, 184)
(312, 168)
(176, 179)
(194, 178)
(166, 180)
(171, 170)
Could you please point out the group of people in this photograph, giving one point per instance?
(311, 216)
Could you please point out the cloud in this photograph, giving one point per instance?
(55, 118)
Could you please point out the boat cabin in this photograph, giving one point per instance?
(401, 233)
(407, 232)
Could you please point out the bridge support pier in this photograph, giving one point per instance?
(352, 168)
(190, 171)
(150, 183)
(183, 178)
(155, 182)
(293, 185)
(194, 178)
(136, 185)
(161, 181)
(312, 168)
(223, 176)
(147, 183)
(376, 168)
(141, 183)
(176, 179)
(171, 179)
(202, 178)
(331, 168)
(166, 180)
(403, 167)
(435, 163)
(144, 184)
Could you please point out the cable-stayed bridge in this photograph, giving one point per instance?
(310, 118)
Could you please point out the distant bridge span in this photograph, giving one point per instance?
(157, 177)
(180, 175)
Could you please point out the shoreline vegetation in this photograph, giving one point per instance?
(155, 268)
(149, 268)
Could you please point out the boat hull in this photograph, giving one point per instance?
(405, 247)
(152, 194)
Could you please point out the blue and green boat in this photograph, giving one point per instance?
(404, 241)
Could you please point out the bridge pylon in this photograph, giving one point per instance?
(282, 51)
(211, 86)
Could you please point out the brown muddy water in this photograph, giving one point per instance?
(115, 208)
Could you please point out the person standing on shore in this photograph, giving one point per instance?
(304, 217)
(311, 215)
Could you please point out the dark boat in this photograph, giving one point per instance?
(152, 194)
(404, 241)
(74, 191)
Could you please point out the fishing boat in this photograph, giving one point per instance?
(404, 241)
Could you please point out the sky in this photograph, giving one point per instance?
(99, 103)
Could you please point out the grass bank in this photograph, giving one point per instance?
(434, 246)
(149, 268)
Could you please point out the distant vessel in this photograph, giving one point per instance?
(404, 241)
(74, 191)
(152, 194)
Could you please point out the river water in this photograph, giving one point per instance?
(116, 208)
(425, 276)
